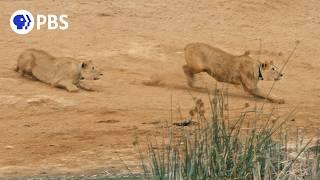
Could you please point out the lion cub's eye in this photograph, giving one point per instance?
(92, 68)
(272, 69)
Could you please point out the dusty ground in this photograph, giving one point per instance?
(45, 130)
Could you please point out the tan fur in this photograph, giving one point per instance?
(61, 72)
(225, 67)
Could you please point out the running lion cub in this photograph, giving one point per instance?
(63, 72)
(228, 68)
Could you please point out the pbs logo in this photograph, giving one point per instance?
(22, 22)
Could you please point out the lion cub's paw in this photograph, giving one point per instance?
(72, 89)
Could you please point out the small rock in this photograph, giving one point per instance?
(183, 123)
(108, 121)
(104, 14)
(8, 147)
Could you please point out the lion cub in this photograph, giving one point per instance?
(63, 72)
(225, 67)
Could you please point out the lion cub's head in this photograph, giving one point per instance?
(89, 71)
(269, 71)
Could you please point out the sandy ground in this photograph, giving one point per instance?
(45, 130)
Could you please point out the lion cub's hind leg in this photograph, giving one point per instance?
(189, 74)
(25, 64)
(25, 74)
(67, 85)
(20, 71)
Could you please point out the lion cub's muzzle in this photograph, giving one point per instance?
(279, 77)
(97, 78)
(94, 78)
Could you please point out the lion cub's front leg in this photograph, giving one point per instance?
(258, 93)
(85, 86)
(67, 85)
(252, 88)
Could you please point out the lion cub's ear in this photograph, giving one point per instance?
(264, 65)
(84, 65)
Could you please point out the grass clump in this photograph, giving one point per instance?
(214, 149)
